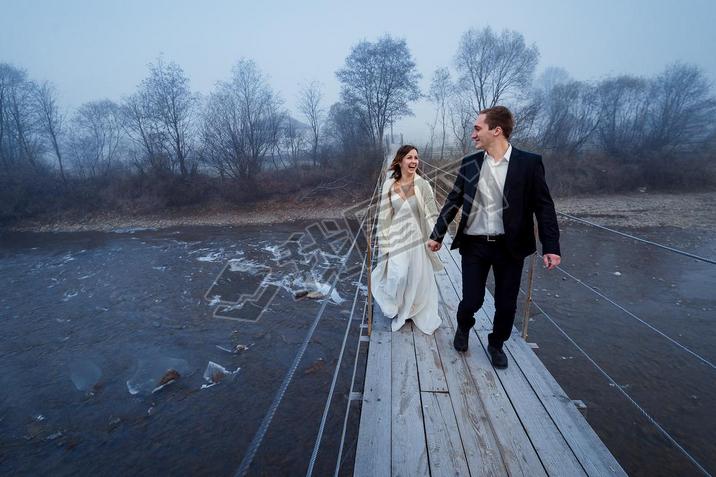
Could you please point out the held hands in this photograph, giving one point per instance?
(434, 245)
(551, 260)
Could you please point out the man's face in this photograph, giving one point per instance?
(482, 136)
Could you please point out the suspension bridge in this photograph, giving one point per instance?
(426, 409)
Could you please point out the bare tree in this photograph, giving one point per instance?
(639, 117)
(344, 127)
(680, 101)
(551, 77)
(462, 118)
(570, 117)
(20, 144)
(309, 103)
(293, 139)
(241, 123)
(526, 116)
(380, 80)
(493, 67)
(624, 109)
(529, 111)
(167, 102)
(51, 121)
(145, 133)
(441, 89)
(95, 138)
(10, 80)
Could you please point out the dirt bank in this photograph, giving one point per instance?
(626, 210)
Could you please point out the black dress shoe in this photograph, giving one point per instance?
(461, 339)
(497, 356)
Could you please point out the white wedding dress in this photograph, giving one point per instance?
(404, 284)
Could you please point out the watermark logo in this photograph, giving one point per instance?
(318, 253)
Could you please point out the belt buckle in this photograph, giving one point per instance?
(490, 238)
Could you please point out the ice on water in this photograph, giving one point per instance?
(149, 372)
(84, 374)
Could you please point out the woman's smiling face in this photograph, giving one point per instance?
(409, 163)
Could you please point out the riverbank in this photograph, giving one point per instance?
(636, 210)
(269, 212)
(625, 210)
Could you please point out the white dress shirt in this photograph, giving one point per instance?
(486, 213)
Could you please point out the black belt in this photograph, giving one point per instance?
(483, 238)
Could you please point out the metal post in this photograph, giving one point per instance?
(528, 301)
(370, 261)
(526, 319)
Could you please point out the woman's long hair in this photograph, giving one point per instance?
(399, 155)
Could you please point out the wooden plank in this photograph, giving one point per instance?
(481, 448)
(588, 448)
(452, 280)
(409, 451)
(374, 437)
(516, 421)
(430, 366)
(380, 321)
(373, 449)
(516, 449)
(451, 269)
(447, 289)
(444, 283)
(593, 456)
(553, 450)
(586, 445)
(445, 449)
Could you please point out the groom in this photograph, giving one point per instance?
(499, 190)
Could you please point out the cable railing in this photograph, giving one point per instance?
(442, 190)
(615, 384)
(278, 397)
(367, 260)
(450, 173)
(639, 239)
(606, 298)
(370, 219)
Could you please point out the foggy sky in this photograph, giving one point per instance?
(94, 50)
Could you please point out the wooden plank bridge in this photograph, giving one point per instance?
(429, 410)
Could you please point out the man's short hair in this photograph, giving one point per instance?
(499, 116)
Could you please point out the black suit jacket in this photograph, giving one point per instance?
(525, 194)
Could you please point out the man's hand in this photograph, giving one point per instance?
(551, 260)
(434, 245)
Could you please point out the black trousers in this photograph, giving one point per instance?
(478, 256)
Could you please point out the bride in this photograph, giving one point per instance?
(403, 281)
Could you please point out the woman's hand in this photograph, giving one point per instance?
(434, 245)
